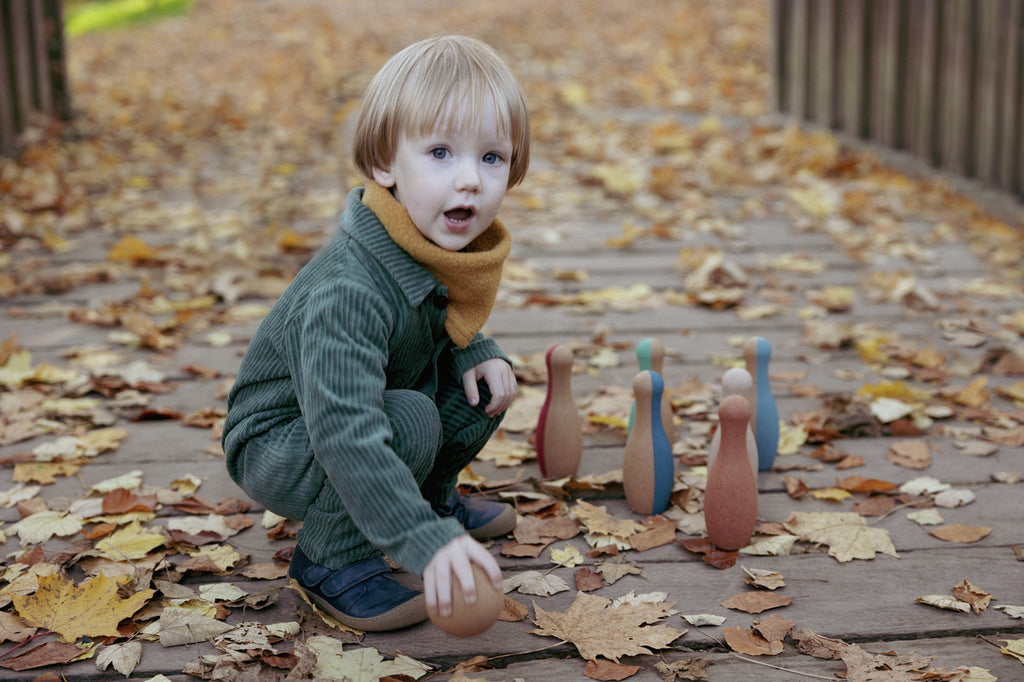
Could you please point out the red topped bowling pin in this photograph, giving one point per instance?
(730, 499)
(648, 471)
(559, 437)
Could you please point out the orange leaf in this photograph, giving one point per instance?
(859, 484)
(606, 670)
(751, 643)
(959, 533)
(756, 602)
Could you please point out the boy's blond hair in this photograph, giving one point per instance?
(448, 79)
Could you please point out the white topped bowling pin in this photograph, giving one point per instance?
(650, 355)
(736, 381)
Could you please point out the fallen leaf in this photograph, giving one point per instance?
(756, 602)
(92, 609)
(587, 580)
(750, 643)
(177, 626)
(567, 556)
(41, 526)
(124, 657)
(49, 653)
(685, 669)
(847, 534)
(763, 578)
(1011, 611)
(131, 542)
(606, 670)
(613, 571)
(599, 521)
(944, 601)
(910, 454)
(535, 583)
(598, 629)
(959, 533)
(973, 595)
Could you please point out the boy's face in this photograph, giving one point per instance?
(452, 183)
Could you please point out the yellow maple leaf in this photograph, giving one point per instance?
(567, 556)
(92, 609)
(831, 494)
(43, 472)
(131, 542)
(131, 249)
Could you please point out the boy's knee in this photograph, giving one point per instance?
(416, 429)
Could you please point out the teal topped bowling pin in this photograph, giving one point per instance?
(765, 414)
(648, 471)
(650, 355)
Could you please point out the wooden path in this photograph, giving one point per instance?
(869, 602)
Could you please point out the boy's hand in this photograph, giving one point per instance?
(501, 381)
(453, 560)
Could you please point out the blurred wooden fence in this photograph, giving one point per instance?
(32, 77)
(941, 79)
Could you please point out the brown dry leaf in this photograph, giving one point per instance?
(756, 602)
(876, 505)
(763, 578)
(774, 627)
(606, 670)
(846, 533)
(750, 643)
(859, 484)
(92, 609)
(597, 628)
(910, 454)
(13, 629)
(659, 531)
(959, 533)
(512, 611)
(711, 555)
(795, 487)
(613, 571)
(587, 580)
(686, 669)
(973, 595)
(850, 462)
(944, 601)
(50, 653)
(599, 521)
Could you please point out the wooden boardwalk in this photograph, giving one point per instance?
(868, 602)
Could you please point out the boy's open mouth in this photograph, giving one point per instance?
(459, 214)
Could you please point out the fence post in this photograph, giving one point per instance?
(33, 80)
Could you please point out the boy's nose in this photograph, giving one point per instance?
(468, 178)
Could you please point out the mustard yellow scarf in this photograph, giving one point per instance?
(471, 275)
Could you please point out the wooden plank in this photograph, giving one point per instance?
(851, 51)
(798, 67)
(955, 72)
(42, 90)
(919, 112)
(1011, 109)
(822, 77)
(21, 57)
(778, 64)
(990, 84)
(883, 89)
(8, 128)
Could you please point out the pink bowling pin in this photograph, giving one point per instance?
(559, 437)
(736, 381)
(730, 499)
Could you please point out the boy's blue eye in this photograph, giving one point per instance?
(491, 157)
(439, 153)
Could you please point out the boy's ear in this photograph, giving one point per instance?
(383, 177)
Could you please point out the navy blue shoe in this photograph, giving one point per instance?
(362, 595)
(482, 519)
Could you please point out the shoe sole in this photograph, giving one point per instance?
(502, 524)
(402, 616)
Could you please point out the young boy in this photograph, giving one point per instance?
(368, 386)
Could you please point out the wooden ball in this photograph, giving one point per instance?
(468, 620)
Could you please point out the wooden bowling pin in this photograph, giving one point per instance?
(648, 471)
(765, 420)
(559, 437)
(736, 381)
(650, 355)
(730, 498)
